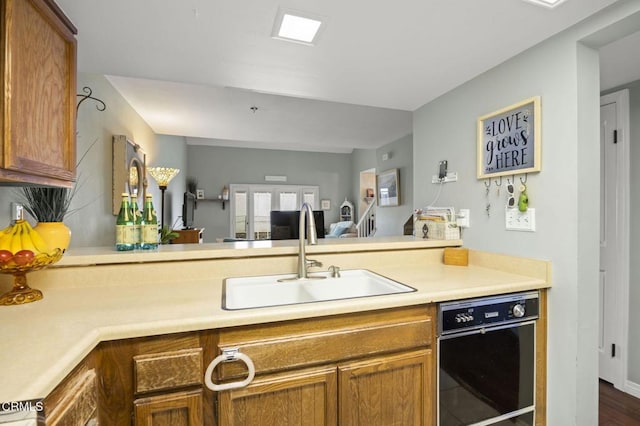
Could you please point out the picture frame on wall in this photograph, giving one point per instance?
(508, 140)
(388, 184)
(325, 204)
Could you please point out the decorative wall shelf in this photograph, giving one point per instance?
(218, 200)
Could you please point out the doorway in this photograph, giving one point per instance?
(614, 240)
(367, 190)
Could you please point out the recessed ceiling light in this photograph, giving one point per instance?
(296, 26)
(546, 3)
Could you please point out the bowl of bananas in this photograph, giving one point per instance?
(23, 250)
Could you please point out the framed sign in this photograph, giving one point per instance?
(509, 140)
(388, 188)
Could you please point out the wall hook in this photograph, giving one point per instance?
(525, 178)
(487, 185)
(88, 92)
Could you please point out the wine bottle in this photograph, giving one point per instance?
(124, 226)
(136, 214)
(149, 225)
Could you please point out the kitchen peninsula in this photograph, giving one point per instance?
(96, 296)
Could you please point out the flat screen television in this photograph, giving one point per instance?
(284, 224)
(188, 210)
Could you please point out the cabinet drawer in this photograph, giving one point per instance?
(167, 370)
(301, 343)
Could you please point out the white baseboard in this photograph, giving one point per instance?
(632, 388)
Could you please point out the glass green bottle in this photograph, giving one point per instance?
(149, 225)
(124, 226)
(137, 223)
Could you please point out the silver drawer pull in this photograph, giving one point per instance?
(229, 355)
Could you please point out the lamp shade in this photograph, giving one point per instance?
(163, 175)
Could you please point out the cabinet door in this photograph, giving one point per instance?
(389, 390)
(75, 401)
(306, 397)
(176, 409)
(39, 86)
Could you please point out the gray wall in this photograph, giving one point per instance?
(565, 76)
(361, 160)
(170, 151)
(390, 220)
(215, 167)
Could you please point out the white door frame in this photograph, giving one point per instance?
(621, 98)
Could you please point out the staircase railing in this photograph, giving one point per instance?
(366, 226)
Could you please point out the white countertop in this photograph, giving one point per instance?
(43, 341)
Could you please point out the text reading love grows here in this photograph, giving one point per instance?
(508, 141)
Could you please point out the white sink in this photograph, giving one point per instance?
(263, 291)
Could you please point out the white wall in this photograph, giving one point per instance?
(634, 240)
(634, 273)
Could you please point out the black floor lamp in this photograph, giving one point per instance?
(162, 176)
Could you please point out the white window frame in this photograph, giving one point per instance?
(275, 190)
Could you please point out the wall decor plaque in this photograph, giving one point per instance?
(508, 140)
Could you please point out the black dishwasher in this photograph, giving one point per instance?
(486, 357)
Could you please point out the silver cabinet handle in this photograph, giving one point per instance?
(229, 355)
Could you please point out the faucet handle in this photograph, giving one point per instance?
(311, 263)
(335, 271)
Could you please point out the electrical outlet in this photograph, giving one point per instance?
(515, 220)
(17, 211)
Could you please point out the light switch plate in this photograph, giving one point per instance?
(515, 220)
(464, 218)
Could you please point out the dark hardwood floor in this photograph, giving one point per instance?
(617, 408)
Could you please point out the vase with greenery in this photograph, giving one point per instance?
(49, 206)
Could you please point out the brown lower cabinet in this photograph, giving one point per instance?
(75, 400)
(369, 368)
(388, 390)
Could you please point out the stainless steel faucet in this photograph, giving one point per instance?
(312, 237)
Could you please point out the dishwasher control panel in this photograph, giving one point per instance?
(469, 314)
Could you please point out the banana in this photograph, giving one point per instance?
(37, 241)
(16, 240)
(5, 241)
(7, 230)
(25, 238)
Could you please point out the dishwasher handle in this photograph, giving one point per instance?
(229, 355)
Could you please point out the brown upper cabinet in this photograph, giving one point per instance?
(38, 57)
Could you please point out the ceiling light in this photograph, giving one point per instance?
(296, 26)
(546, 3)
